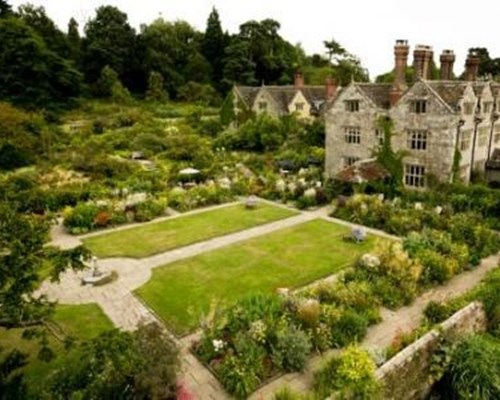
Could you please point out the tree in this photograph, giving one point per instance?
(156, 89)
(39, 77)
(345, 66)
(74, 41)
(117, 364)
(214, 44)
(5, 9)
(334, 49)
(110, 86)
(109, 40)
(173, 50)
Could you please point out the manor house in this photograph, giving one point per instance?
(437, 123)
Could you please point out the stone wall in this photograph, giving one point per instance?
(406, 375)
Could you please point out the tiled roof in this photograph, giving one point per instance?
(379, 93)
(450, 91)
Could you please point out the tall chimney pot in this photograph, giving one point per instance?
(447, 60)
(472, 66)
(422, 56)
(401, 51)
(299, 80)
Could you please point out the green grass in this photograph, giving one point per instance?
(180, 292)
(83, 322)
(158, 237)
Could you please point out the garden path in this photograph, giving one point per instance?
(393, 323)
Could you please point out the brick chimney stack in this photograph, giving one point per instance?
(401, 51)
(331, 88)
(447, 60)
(298, 80)
(472, 66)
(422, 57)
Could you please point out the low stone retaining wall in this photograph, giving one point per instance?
(406, 375)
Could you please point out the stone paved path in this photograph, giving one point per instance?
(381, 335)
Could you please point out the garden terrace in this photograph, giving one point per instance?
(158, 237)
(182, 291)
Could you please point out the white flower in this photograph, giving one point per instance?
(419, 206)
(218, 344)
(280, 185)
(302, 172)
(310, 193)
(438, 210)
(292, 187)
(381, 197)
(370, 260)
(318, 184)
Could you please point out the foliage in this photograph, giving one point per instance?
(12, 385)
(198, 92)
(23, 255)
(474, 369)
(119, 365)
(213, 45)
(156, 90)
(436, 312)
(291, 349)
(227, 113)
(349, 376)
(40, 77)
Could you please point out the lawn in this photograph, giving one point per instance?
(158, 237)
(182, 291)
(81, 322)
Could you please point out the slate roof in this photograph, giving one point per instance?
(283, 95)
(450, 91)
(248, 93)
(379, 93)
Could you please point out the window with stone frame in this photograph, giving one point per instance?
(487, 107)
(483, 137)
(417, 139)
(350, 160)
(299, 106)
(418, 106)
(414, 175)
(468, 108)
(352, 105)
(379, 137)
(465, 140)
(496, 136)
(262, 105)
(352, 134)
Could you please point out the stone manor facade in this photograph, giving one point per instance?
(433, 119)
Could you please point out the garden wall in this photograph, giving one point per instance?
(407, 374)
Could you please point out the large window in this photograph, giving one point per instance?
(483, 137)
(262, 105)
(299, 106)
(379, 137)
(465, 139)
(418, 106)
(417, 139)
(352, 134)
(414, 175)
(352, 105)
(350, 160)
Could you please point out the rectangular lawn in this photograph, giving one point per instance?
(158, 237)
(182, 291)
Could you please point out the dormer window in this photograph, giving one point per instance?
(299, 106)
(418, 106)
(468, 108)
(352, 105)
(262, 105)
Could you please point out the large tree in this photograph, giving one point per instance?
(345, 66)
(74, 41)
(214, 44)
(5, 9)
(37, 19)
(173, 50)
(259, 54)
(487, 66)
(110, 40)
(39, 77)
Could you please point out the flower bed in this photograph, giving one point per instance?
(264, 335)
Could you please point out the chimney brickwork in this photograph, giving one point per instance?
(447, 60)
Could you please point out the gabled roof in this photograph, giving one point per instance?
(379, 93)
(283, 95)
(247, 94)
(449, 91)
